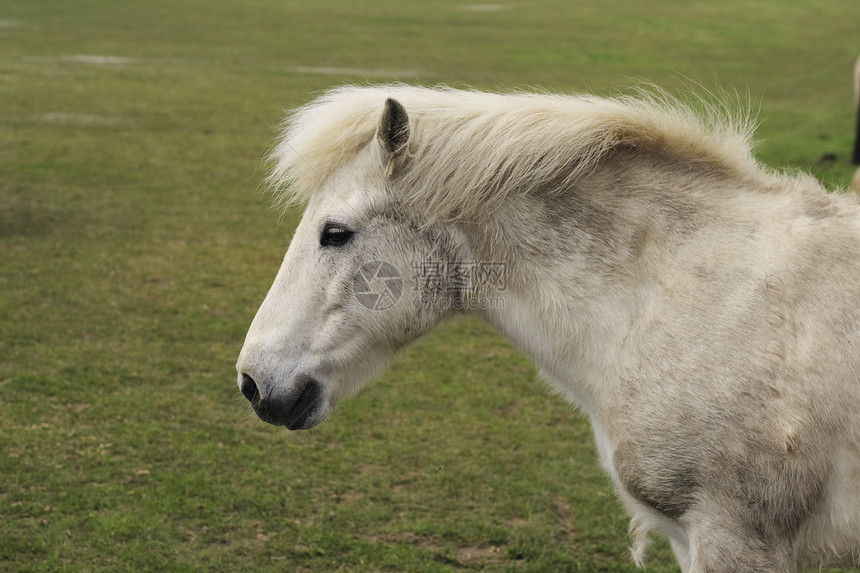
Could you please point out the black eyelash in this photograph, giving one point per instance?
(335, 235)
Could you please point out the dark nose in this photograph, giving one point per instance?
(291, 409)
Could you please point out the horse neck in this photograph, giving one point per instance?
(563, 320)
(583, 263)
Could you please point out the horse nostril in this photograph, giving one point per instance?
(292, 407)
(249, 389)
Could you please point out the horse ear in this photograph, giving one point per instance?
(393, 129)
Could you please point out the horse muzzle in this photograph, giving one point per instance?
(298, 406)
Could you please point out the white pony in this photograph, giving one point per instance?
(703, 311)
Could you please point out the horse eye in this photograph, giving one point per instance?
(333, 235)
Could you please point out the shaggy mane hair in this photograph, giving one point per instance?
(468, 149)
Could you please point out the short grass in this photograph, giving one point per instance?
(135, 247)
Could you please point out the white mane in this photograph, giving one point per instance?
(469, 149)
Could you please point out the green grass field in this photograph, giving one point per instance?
(135, 247)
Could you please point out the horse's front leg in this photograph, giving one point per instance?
(682, 554)
(724, 545)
